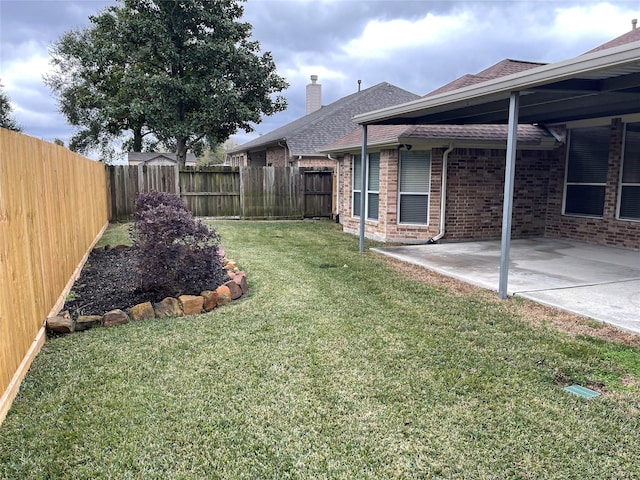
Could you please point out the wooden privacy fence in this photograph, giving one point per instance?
(125, 182)
(229, 192)
(53, 207)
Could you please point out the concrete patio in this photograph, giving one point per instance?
(599, 282)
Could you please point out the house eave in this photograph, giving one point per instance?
(378, 145)
(579, 83)
(257, 147)
(428, 144)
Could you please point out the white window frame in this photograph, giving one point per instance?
(369, 190)
(356, 188)
(567, 183)
(410, 193)
(621, 183)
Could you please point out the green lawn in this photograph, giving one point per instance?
(334, 366)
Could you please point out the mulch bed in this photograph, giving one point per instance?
(107, 282)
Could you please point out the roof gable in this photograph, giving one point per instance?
(307, 134)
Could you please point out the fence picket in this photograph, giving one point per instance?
(53, 204)
(229, 192)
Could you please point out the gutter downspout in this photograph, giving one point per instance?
(443, 196)
(284, 147)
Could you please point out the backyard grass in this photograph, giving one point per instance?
(336, 365)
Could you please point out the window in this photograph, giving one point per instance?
(629, 203)
(357, 183)
(415, 181)
(373, 186)
(586, 177)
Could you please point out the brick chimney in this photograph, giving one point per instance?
(314, 95)
(634, 24)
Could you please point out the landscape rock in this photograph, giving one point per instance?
(142, 311)
(234, 289)
(241, 279)
(62, 323)
(191, 304)
(210, 300)
(169, 307)
(85, 322)
(224, 295)
(114, 318)
(231, 265)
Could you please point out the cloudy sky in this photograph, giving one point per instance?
(417, 45)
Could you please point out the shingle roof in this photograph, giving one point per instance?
(148, 156)
(307, 134)
(500, 69)
(395, 134)
(389, 134)
(629, 37)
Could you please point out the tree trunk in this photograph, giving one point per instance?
(181, 151)
(137, 139)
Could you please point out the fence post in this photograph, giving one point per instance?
(242, 192)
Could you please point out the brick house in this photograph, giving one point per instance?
(297, 143)
(576, 159)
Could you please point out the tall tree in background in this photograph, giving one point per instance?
(92, 80)
(6, 112)
(184, 71)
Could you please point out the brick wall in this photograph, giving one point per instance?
(276, 157)
(316, 162)
(475, 194)
(606, 230)
(475, 191)
(474, 197)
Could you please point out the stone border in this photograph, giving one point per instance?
(233, 289)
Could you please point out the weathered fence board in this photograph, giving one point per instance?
(318, 193)
(211, 191)
(271, 192)
(229, 192)
(125, 182)
(53, 205)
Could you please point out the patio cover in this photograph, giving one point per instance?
(604, 83)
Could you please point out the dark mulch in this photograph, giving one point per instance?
(108, 281)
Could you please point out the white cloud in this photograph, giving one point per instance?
(381, 38)
(607, 19)
(27, 70)
(300, 73)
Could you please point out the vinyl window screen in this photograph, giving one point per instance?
(587, 168)
(373, 185)
(414, 191)
(629, 206)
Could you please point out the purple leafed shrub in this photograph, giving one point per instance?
(176, 254)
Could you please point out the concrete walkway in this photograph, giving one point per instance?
(599, 282)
